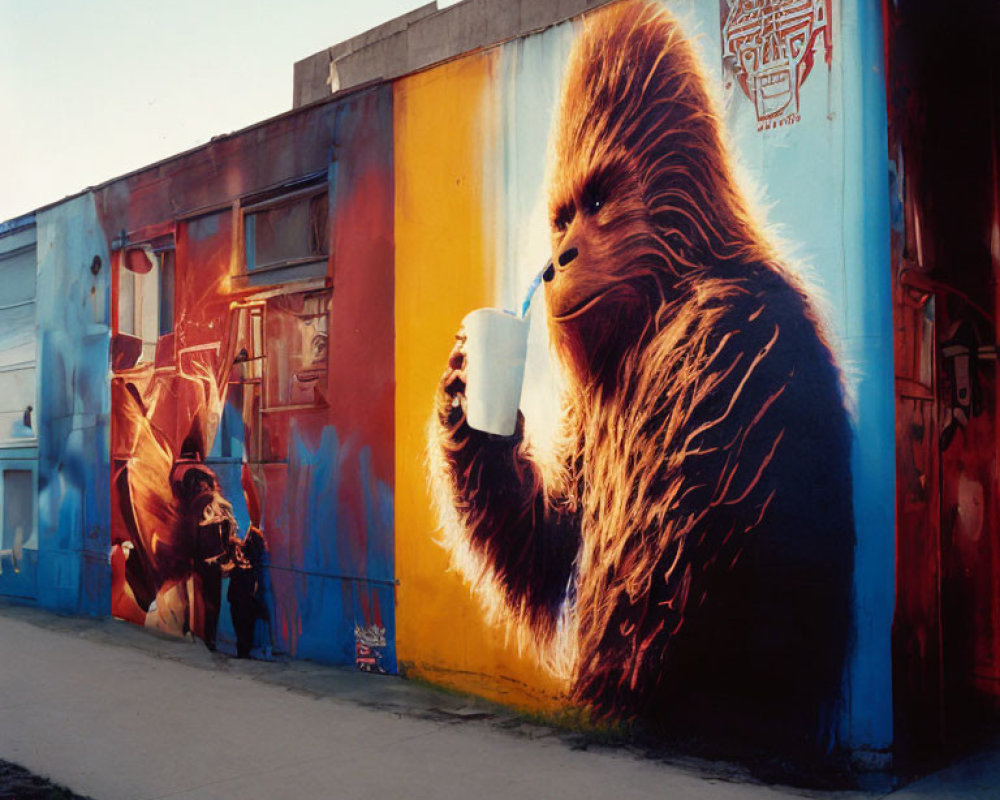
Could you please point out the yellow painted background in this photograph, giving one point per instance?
(445, 129)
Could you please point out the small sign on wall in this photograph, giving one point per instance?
(369, 645)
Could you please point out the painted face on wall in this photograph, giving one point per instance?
(680, 551)
(596, 215)
(314, 325)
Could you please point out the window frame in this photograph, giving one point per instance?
(155, 245)
(20, 465)
(305, 187)
(14, 242)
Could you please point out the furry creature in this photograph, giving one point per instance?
(181, 537)
(688, 561)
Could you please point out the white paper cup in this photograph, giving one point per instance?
(495, 347)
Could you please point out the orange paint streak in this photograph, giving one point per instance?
(444, 268)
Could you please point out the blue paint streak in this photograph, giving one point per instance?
(74, 410)
(866, 232)
(347, 542)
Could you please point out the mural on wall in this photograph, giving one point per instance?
(769, 47)
(73, 415)
(684, 549)
(251, 425)
(183, 537)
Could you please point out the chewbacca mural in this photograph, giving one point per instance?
(687, 561)
(181, 535)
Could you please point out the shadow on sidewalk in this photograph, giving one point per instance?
(16, 783)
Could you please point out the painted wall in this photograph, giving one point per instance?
(945, 257)
(688, 519)
(473, 223)
(74, 400)
(18, 401)
(271, 391)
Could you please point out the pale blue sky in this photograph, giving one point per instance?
(91, 89)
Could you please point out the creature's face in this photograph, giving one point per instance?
(598, 218)
(640, 200)
(601, 235)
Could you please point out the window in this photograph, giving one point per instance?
(18, 515)
(286, 238)
(146, 297)
(280, 365)
(17, 337)
(296, 330)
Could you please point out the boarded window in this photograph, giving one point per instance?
(18, 277)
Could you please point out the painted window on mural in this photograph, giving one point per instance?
(296, 330)
(281, 363)
(285, 237)
(245, 382)
(146, 297)
(18, 532)
(17, 340)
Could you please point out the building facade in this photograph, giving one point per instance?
(222, 409)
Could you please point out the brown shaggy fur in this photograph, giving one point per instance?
(691, 562)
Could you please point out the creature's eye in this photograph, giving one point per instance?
(563, 217)
(595, 195)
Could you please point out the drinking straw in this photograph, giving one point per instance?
(535, 283)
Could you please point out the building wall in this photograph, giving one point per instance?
(472, 230)
(73, 334)
(296, 419)
(945, 257)
(18, 437)
(277, 309)
(445, 265)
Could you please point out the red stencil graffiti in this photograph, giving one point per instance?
(770, 46)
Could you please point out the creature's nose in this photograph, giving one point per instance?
(567, 256)
(549, 273)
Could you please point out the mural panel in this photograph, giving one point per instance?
(252, 484)
(642, 475)
(74, 400)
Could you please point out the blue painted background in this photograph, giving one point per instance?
(74, 400)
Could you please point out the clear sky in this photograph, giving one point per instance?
(91, 89)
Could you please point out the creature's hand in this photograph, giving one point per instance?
(451, 390)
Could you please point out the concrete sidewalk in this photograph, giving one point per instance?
(111, 712)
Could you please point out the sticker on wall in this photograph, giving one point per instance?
(369, 643)
(769, 48)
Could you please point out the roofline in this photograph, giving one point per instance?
(427, 37)
(422, 13)
(19, 223)
(334, 98)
